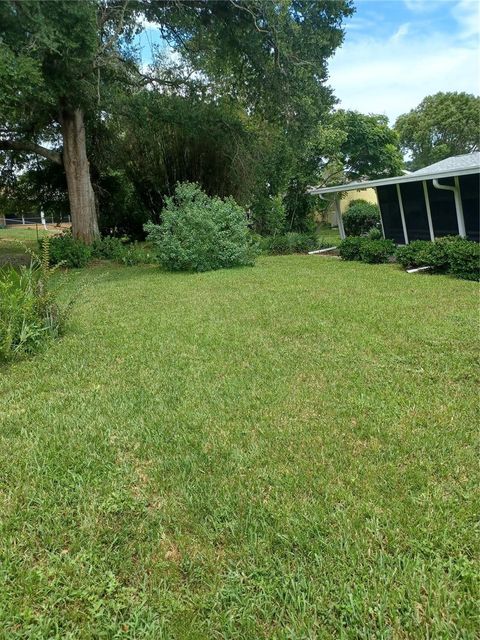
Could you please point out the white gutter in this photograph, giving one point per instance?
(458, 203)
(411, 177)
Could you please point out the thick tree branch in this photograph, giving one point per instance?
(31, 147)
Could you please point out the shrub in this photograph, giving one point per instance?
(200, 233)
(64, 249)
(287, 243)
(349, 248)
(133, 254)
(464, 259)
(411, 255)
(375, 234)
(376, 251)
(450, 254)
(366, 250)
(108, 248)
(360, 217)
(29, 312)
(269, 215)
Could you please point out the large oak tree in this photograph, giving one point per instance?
(60, 62)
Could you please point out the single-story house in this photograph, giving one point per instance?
(439, 200)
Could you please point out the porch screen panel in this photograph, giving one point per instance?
(415, 211)
(469, 189)
(442, 208)
(390, 212)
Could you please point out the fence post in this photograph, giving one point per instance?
(42, 217)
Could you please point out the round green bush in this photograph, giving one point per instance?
(412, 255)
(464, 259)
(349, 248)
(72, 253)
(201, 233)
(360, 217)
(376, 251)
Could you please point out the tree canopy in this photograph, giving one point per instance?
(68, 66)
(354, 145)
(443, 125)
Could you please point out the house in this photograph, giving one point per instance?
(439, 200)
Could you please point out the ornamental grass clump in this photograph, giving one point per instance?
(201, 233)
(29, 311)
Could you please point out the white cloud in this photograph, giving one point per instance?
(423, 6)
(392, 75)
(467, 15)
(401, 32)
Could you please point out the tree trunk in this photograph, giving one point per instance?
(80, 191)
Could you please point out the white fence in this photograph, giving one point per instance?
(41, 220)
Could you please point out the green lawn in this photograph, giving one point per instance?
(13, 241)
(285, 452)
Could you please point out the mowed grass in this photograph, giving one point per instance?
(285, 451)
(15, 240)
(26, 235)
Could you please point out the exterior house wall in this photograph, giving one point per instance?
(359, 194)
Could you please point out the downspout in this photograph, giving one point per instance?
(458, 203)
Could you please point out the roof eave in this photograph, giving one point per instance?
(413, 177)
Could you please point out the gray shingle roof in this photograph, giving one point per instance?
(456, 165)
(466, 161)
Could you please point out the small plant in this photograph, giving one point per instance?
(376, 251)
(64, 249)
(201, 233)
(29, 312)
(360, 217)
(108, 248)
(375, 234)
(349, 248)
(133, 254)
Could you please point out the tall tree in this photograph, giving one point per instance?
(58, 60)
(51, 56)
(443, 125)
(352, 145)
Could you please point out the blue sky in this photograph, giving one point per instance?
(396, 52)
